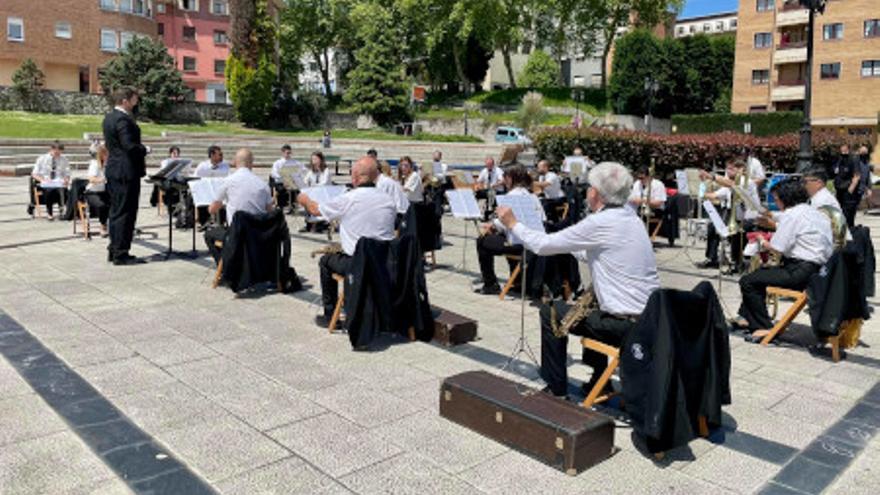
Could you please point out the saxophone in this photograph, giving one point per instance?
(646, 203)
(332, 248)
(742, 181)
(582, 307)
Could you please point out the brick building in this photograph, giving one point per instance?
(720, 23)
(771, 60)
(69, 39)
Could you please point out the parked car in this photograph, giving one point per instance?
(512, 135)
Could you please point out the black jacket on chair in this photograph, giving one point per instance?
(837, 293)
(669, 230)
(428, 225)
(368, 292)
(257, 249)
(410, 305)
(865, 249)
(122, 136)
(77, 193)
(675, 366)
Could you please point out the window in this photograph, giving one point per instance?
(763, 40)
(125, 5)
(761, 76)
(526, 47)
(872, 28)
(219, 67)
(719, 26)
(830, 71)
(108, 4)
(109, 40)
(871, 68)
(191, 5)
(189, 33)
(125, 38)
(63, 30)
(680, 30)
(189, 64)
(832, 31)
(733, 23)
(758, 109)
(220, 38)
(707, 27)
(219, 7)
(14, 29)
(160, 8)
(160, 28)
(693, 29)
(216, 93)
(765, 5)
(138, 7)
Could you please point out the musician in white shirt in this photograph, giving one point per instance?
(614, 244)
(362, 212)
(755, 168)
(412, 183)
(548, 181)
(319, 175)
(286, 166)
(638, 196)
(491, 177)
(48, 170)
(393, 189)
(173, 154)
(96, 195)
(805, 242)
(496, 239)
(438, 168)
(213, 167)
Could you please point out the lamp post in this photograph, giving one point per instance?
(805, 155)
(651, 87)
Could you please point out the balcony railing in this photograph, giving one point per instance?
(794, 17)
(790, 82)
(791, 5)
(788, 45)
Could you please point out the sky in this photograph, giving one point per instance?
(694, 8)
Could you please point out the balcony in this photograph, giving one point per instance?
(791, 90)
(790, 55)
(792, 17)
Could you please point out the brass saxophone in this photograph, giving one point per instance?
(332, 248)
(582, 307)
(742, 181)
(646, 203)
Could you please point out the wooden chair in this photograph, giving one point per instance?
(513, 275)
(562, 211)
(337, 311)
(218, 275)
(37, 195)
(800, 301)
(614, 354)
(159, 202)
(83, 218)
(658, 222)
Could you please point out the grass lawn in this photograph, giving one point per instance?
(495, 118)
(51, 126)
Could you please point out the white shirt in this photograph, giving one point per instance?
(207, 169)
(316, 179)
(244, 191)
(363, 212)
(756, 169)
(723, 194)
(44, 164)
(96, 171)
(282, 163)
(439, 169)
(512, 239)
(554, 190)
(824, 198)
(493, 179)
(412, 186)
(393, 188)
(615, 245)
(658, 192)
(804, 233)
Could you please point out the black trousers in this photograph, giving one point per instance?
(100, 203)
(488, 247)
(793, 274)
(598, 325)
(849, 208)
(338, 263)
(215, 234)
(737, 243)
(124, 196)
(51, 197)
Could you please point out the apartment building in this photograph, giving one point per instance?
(720, 23)
(771, 58)
(578, 70)
(69, 39)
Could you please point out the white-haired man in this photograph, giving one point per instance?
(614, 244)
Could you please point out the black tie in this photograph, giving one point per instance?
(52, 175)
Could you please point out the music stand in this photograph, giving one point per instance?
(170, 178)
(463, 204)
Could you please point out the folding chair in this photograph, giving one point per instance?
(218, 275)
(513, 275)
(612, 352)
(800, 301)
(83, 218)
(37, 195)
(337, 311)
(659, 224)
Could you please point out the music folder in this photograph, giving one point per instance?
(715, 217)
(204, 191)
(463, 203)
(172, 169)
(526, 210)
(323, 194)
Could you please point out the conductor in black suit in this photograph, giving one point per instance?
(124, 169)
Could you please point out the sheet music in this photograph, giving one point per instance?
(323, 194)
(681, 180)
(466, 178)
(694, 182)
(576, 165)
(525, 209)
(463, 203)
(172, 167)
(294, 181)
(715, 217)
(52, 184)
(204, 191)
(748, 200)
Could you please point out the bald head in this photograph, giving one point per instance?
(244, 158)
(365, 170)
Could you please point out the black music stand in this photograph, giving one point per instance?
(168, 179)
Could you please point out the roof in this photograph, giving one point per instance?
(706, 17)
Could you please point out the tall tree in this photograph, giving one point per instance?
(566, 27)
(515, 17)
(636, 58)
(320, 27)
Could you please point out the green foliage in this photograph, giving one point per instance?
(146, 65)
(592, 100)
(723, 103)
(27, 83)
(540, 71)
(314, 28)
(310, 108)
(250, 90)
(531, 113)
(763, 124)
(637, 57)
(253, 31)
(377, 85)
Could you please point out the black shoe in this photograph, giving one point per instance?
(322, 321)
(547, 390)
(708, 264)
(488, 290)
(128, 260)
(587, 387)
(109, 257)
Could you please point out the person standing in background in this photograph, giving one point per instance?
(847, 176)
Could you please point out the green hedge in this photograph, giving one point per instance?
(763, 124)
(678, 151)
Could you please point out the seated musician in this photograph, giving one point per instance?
(804, 241)
(588, 164)
(173, 154)
(412, 182)
(491, 178)
(362, 212)
(746, 217)
(97, 197)
(283, 167)
(497, 240)
(612, 241)
(213, 167)
(49, 168)
(815, 181)
(439, 169)
(318, 176)
(392, 188)
(549, 186)
(241, 191)
(639, 199)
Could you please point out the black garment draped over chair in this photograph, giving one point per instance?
(837, 292)
(675, 366)
(76, 194)
(429, 225)
(865, 248)
(256, 250)
(669, 230)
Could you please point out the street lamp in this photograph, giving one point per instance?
(805, 155)
(651, 88)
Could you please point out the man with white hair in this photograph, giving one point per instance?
(615, 246)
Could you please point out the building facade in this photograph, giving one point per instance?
(196, 33)
(771, 58)
(69, 39)
(720, 23)
(577, 70)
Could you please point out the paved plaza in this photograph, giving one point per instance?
(188, 389)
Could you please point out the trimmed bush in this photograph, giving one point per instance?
(763, 124)
(251, 90)
(685, 150)
(540, 71)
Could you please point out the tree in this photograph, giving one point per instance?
(253, 32)
(377, 86)
(146, 65)
(566, 27)
(531, 112)
(540, 71)
(251, 73)
(515, 16)
(27, 84)
(636, 57)
(319, 26)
